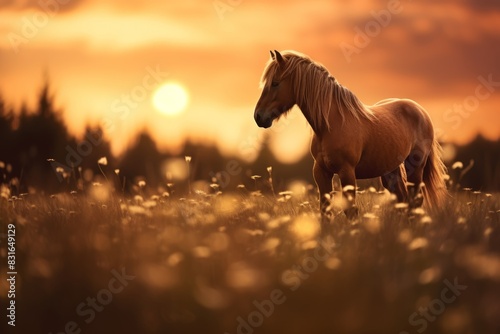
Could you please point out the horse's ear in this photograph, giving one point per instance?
(279, 58)
(273, 57)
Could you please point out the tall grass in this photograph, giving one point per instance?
(201, 261)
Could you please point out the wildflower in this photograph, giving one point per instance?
(371, 222)
(263, 216)
(401, 206)
(348, 188)
(138, 210)
(418, 211)
(418, 243)
(103, 161)
(305, 228)
(4, 192)
(149, 204)
(175, 258)
(210, 297)
(218, 241)
(285, 193)
(271, 244)
(332, 263)
(254, 233)
(429, 275)
(200, 192)
(240, 275)
(404, 236)
(201, 252)
(426, 220)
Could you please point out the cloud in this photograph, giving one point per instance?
(30, 5)
(481, 6)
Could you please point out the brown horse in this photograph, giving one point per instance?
(393, 139)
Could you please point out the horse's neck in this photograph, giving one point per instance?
(322, 127)
(305, 111)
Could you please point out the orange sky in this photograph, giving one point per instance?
(98, 52)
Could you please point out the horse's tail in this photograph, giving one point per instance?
(434, 173)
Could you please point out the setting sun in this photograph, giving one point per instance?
(170, 99)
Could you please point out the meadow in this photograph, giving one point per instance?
(245, 261)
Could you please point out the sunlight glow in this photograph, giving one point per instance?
(170, 99)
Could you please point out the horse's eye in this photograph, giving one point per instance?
(274, 84)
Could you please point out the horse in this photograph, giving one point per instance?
(392, 139)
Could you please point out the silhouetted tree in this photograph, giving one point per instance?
(6, 131)
(142, 161)
(95, 146)
(485, 174)
(40, 136)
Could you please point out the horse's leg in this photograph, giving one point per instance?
(323, 179)
(415, 172)
(395, 183)
(348, 180)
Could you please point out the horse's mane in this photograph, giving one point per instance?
(317, 88)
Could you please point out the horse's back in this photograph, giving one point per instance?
(386, 101)
(405, 114)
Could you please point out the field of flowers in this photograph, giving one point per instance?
(97, 261)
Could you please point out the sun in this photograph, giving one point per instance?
(170, 99)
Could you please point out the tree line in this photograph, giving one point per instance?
(38, 152)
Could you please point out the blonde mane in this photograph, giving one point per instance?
(315, 88)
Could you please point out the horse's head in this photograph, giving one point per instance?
(277, 94)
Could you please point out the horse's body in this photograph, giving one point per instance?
(393, 139)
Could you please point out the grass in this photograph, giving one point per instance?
(244, 262)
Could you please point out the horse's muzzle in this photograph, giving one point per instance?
(263, 121)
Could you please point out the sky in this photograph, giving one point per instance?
(105, 59)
